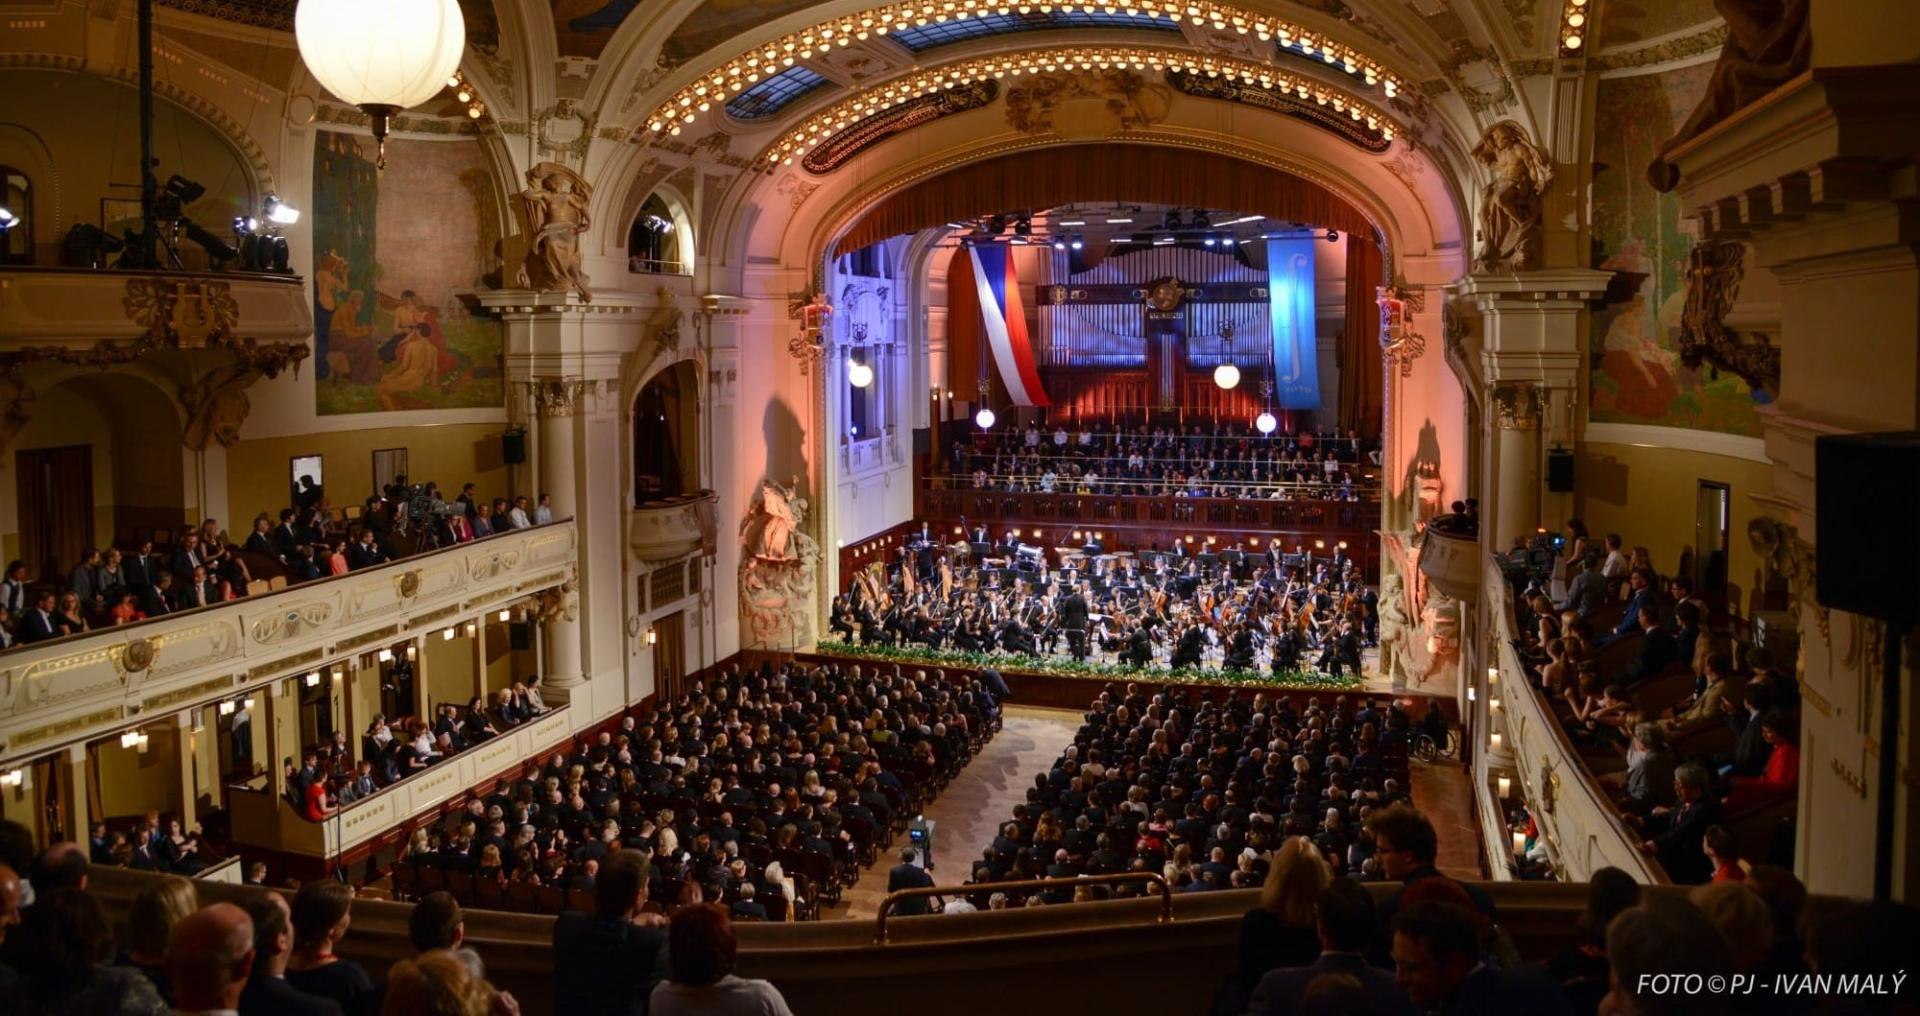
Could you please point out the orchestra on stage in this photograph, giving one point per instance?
(1241, 608)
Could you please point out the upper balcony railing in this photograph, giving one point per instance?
(1582, 829)
(83, 687)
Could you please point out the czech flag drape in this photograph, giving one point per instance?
(1003, 322)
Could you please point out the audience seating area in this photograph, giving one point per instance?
(1693, 736)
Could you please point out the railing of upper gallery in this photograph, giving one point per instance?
(84, 687)
(1577, 820)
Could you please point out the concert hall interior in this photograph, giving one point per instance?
(773, 506)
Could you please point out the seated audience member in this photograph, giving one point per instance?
(1742, 920)
(125, 609)
(442, 983)
(1657, 649)
(84, 582)
(261, 540)
(436, 923)
(1345, 925)
(607, 963)
(1642, 582)
(1723, 855)
(61, 951)
(1405, 845)
(151, 918)
(1780, 778)
(1786, 899)
(321, 915)
(13, 588)
(36, 623)
(1663, 935)
(71, 617)
(1581, 969)
(366, 552)
(1281, 931)
(1439, 959)
(1675, 831)
(908, 875)
(700, 955)
(211, 959)
(745, 909)
(158, 599)
(267, 992)
(1704, 710)
(1650, 765)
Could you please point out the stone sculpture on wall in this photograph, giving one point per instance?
(1513, 200)
(555, 201)
(778, 564)
(1768, 42)
(216, 406)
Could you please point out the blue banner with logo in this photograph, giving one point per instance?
(1296, 375)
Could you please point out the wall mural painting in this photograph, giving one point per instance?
(582, 27)
(483, 26)
(718, 20)
(1637, 375)
(393, 253)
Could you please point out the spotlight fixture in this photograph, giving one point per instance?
(8, 219)
(279, 212)
(996, 225)
(1077, 242)
(1023, 226)
(1333, 236)
(1173, 219)
(859, 374)
(1059, 243)
(1201, 221)
(1209, 240)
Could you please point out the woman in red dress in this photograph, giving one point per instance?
(1781, 778)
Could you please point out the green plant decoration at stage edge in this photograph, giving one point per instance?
(1299, 680)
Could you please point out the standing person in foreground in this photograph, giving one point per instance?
(607, 963)
(701, 948)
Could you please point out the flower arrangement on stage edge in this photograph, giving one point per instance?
(1300, 680)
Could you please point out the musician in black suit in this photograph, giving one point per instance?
(1073, 618)
(1240, 650)
(1188, 652)
(1140, 646)
(1014, 637)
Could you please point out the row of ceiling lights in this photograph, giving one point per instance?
(1573, 26)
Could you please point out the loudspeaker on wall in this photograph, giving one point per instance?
(1869, 548)
(513, 447)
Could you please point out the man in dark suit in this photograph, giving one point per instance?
(287, 536)
(1750, 750)
(142, 568)
(194, 592)
(36, 623)
(261, 541)
(267, 992)
(1188, 652)
(1675, 833)
(1438, 958)
(1346, 924)
(1642, 582)
(908, 875)
(1657, 648)
(609, 961)
(1140, 646)
(188, 555)
(157, 599)
(1073, 619)
(365, 553)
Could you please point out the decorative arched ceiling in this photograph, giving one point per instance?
(1043, 178)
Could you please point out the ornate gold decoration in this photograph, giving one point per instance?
(557, 603)
(1166, 295)
(1714, 272)
(408, 583)
(1085, 66)
(137, 655)
(1512, 201)
(714, 87)
(290, 623)
(833, 152)
(810, 346)
(558, 397)
(1399, 342)
(1105, 101)
(1518, 405)
(1300, 107)
(216, 406)
(178, 312)
(663, 325)
(1549, 784)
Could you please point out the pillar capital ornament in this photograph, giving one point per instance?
(554, 397)
(1518, 405)
(1399, 341)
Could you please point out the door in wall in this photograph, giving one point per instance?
(55, 486)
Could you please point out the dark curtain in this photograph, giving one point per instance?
(656, 439)
(56, 508)
(1360, 381)
(1053, 176)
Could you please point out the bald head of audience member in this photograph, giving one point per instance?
(272, 933)
(210, 958)
(61, 866)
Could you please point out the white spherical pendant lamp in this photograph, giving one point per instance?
(381, 55)
(984, 418)
(859, 374)
(1265, 423)
(1226, 375)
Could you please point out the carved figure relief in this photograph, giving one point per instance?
(663, 325)
(1768, 42)
(1784, 554)
(1518, 406)
(778, 561)
(555, 202)
(1714, 271)
(216, 406)
(1512, 201)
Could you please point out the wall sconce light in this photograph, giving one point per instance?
(447, 634)
(313, 679)
(1506, 787)
(13, 778)
(339, 671)
(503, 615)
(1319, 544)
(412, 650)
(653, 637)
(227, 707)
(1189, 537)
(1493, 675)
(248, 702)
(1343, 544)
(135, 739)
(473, 628)
(1493, 740)
(1519, 843)
(1493, 703)
(386, 655)
(1469, 693)
(1076, 534)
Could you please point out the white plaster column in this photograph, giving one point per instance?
(1516, 463)
(72, 765)
(183, 743)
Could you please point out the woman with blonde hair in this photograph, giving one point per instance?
(439, 983)
(150, 921)
(1281, 931)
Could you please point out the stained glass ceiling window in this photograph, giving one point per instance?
(768, 96)
(945, 32)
